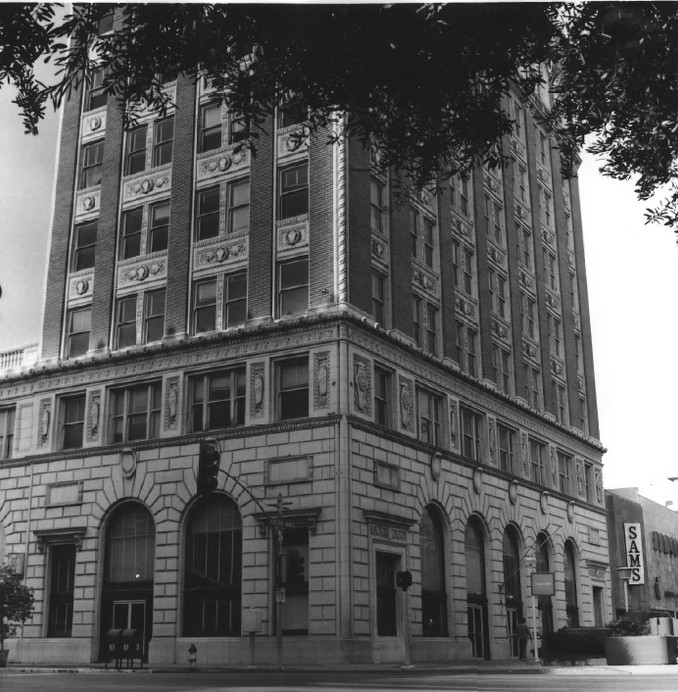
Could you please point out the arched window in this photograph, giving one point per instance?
(512, 595)
(433, 596)
(571, 586)
(212, 595)
(130, 545)
(476, 594)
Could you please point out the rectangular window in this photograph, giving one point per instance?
(472, 352)
(218, 399)
(79, 324)
(537, 461)
(96, 95)
(430, 409)
(528, 307)
(533, 387)
(205, 306)
(132, 223)
(61, 589)
(456, 274)
(559, 402)
(414, 232)
(72, 411)
(386, 475)
(292, 113)
(162, 141)
(427, 232)
(467, 278)
(105, 23)
(543, 154)
(564, 466)
(159, 226)
(555, 335)
(459, 193)
(238, 128)
(471, 428)
(135, 152)
(418, 320)
(235, 299)
(517, 119)
(551, 267)
(207, 214)
(497, 285)
(135, 413)
(579, 355)
(84, 244)
(506, 448)
(92, 156)
(588, 482)
(377, 193)
(293, 191)
(293, 287)
(498, 223)
(239, 206)
(378, 296)
(520, 182)
(583, 415)
(431, 329)
(382, 396)
(292, 388)
(7, 416)
(126, 322)
(501, 361)
(209, 127)
(154, 315)
(526, 247)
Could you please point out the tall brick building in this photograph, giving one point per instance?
(412, 378)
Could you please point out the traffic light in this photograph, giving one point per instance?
(404, 580)
(208, 466)
(300, 568)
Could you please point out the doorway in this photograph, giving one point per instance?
(387, 622)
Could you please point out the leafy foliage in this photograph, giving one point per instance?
(423, 83)
(16, 603)
(627, 626)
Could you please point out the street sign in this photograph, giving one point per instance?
(543, 584)
(280, 595)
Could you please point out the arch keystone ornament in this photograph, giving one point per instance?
(478, 480)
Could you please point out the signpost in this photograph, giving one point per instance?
(543, 584)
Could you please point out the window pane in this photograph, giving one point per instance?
(205, 311)
(210, 127)
(136, 150)
(208, 213)
(132, 221)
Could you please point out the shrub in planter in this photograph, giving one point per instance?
(632, 644)
(575, 644)
(16, 606)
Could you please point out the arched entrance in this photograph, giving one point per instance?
(476, 589)
(433, 595)
(571, 605)
(129, 559)
(512, 590)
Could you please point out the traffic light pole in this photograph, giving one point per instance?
(278, 525)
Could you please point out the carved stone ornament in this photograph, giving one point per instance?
(599, 486)
(406, 402)
(172, 403)
(581, 478)
(95, 123)
(93, 415)
(570, 511)
(544, 502)
(258, 388)
(88, 203)
(128, 463)
(525, 454)
(322, 380)
(361, 385)
(81, 286)
(44, 422)
(454, 424)
(513, 492)
(379, 249)
(492, 433)
(436, 465)
(478, 480)
(293, 236)
(554, 467)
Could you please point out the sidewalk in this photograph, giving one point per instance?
(597, 667)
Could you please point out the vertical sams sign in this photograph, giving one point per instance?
(634, 553)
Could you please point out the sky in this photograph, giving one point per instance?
(632, 274)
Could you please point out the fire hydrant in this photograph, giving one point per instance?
(192, 656)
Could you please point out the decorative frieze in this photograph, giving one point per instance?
(87, 204)
(292, 234)
(380, 250)
(148, 270)
(518, 148)
(229, 161)
(461, 227)
(147, 185)
(455, 442)
(557, 366)
(552, 300)
(499, 328)
(527, 280)
(465, 307)
(220, 253)
(80, 286)
(423, 280)
(529, 348)
(172, 402)
(525, 453)
(93, 125)
(292, 141)
(496, 255)
(492, 435)
(44, 422)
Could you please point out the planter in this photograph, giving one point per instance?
(634, 651)
(4, 653)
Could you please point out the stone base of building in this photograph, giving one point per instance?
(57, 651)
